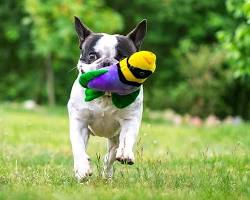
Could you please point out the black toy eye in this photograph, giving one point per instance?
(92, 56)
(142, 74)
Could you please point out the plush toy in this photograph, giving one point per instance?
(122, 80)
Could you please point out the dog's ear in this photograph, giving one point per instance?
(82, 31)
(138, 33)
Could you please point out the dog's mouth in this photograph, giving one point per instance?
(99, 64)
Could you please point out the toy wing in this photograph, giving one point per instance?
(84, 80)
(87, 77)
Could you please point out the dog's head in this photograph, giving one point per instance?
(101, 50)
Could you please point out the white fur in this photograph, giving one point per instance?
(101, 118)
(106, 46)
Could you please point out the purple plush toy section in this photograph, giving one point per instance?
(110, 82)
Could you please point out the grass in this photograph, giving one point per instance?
(171, 162)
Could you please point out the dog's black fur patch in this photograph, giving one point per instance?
(125, 47)
(88, 47)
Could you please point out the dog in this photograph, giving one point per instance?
(100, 117)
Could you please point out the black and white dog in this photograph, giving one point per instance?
(100, 117)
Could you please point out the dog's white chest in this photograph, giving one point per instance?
(104, 118)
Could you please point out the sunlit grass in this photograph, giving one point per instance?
(171, 162)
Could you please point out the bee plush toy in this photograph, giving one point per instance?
(122, 80)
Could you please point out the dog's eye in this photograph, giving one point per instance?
(92, 56)
(82, 58)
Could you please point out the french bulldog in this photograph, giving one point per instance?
(100, 117)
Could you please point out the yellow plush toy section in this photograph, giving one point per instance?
(144, 60)
(127, 73)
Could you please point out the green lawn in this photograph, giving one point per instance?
(171, 162)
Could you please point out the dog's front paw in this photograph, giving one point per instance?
(82, 171)
(125, 157)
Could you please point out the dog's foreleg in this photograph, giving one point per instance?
(127, 139)
(79, 135)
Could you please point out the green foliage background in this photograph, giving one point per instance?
(203, 50)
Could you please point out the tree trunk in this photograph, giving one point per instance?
(50, 81)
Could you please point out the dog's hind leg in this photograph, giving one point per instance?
(110, 156)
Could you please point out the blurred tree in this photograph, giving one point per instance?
(203, 88)
(235, 40)
(53, 35)
(15, 46)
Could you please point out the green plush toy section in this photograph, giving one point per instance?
(91, 94)
(122, 101)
